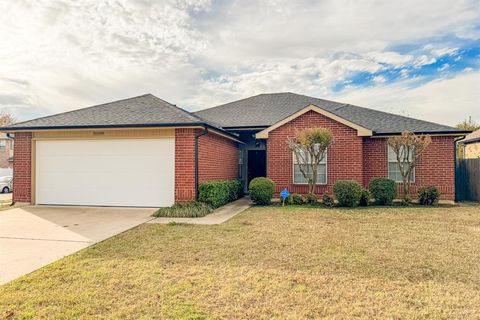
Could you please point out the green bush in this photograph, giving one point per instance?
(328, 200)
(347, 192)
(294, 198)
(428, 196)
(219, 192)
(383, 190)
(297, 199)
(311, 198)
(261, 190)
(365, 198)
(185, 210)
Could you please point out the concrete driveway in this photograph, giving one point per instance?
(34, 236)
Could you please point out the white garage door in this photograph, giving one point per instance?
(135, 172)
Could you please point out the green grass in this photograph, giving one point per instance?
(185, 210)
(270, 262)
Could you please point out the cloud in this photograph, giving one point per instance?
(198, 53)
(447, 101)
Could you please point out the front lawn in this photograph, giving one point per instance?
(270, 262)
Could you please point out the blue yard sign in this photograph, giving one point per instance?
(284, 195)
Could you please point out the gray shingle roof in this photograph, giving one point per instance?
(259, 111)
(145, 110)
(472, 137)
(267, 109)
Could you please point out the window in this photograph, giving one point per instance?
(298, 177)
(3, 144)
(394, 168)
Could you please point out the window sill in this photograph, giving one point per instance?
(306, 184)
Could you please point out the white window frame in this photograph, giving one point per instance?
(294, 162)
(390, 151)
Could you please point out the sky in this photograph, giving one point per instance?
(415, 58)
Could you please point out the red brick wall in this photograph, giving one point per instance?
(345, 155)
(22, 167)
(218, 158)
(354, 158)
(184, 165)
(435, 167)
(375, 159)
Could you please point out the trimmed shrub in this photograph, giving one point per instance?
(237, 189)
(297, 199)
(383, 190)
(261, 190)
(185, 210)
(365, 198)
(294, 198)
(219, 192)
(428, 196)
(311, 198)
(347, 192)
(328, 200)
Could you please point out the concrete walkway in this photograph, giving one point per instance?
(218, 216)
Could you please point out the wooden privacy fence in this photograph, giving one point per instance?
(467, 179)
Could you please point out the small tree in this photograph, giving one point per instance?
(6, 119)
(468, 124)
(408, 147)
(310, 147)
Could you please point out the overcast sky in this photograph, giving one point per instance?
(416, 58)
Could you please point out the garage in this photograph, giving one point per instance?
(105, 172)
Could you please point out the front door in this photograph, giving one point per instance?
(257, 164)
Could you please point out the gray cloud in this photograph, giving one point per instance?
(62, 55)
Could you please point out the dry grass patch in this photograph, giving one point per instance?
(270, 262)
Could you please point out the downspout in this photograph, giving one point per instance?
(455, 143)
(197, 136)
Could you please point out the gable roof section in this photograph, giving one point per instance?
(472, 137)
(361, 131)
(265, 110)
(142, 111)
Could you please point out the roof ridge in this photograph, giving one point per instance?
(70, 111)
(177, 107)
(223, 104)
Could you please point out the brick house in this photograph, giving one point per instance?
(144, 151)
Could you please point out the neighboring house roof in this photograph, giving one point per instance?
(145, 110)
(472, 137)
(265, 110)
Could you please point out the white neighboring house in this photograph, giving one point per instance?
(6, 155)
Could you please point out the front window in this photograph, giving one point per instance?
(394, 167)
(3, 144)
(298, 177)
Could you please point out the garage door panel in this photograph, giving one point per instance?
(106, 172)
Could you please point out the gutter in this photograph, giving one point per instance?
(197, 136)
(124, 126)
(452, 133)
